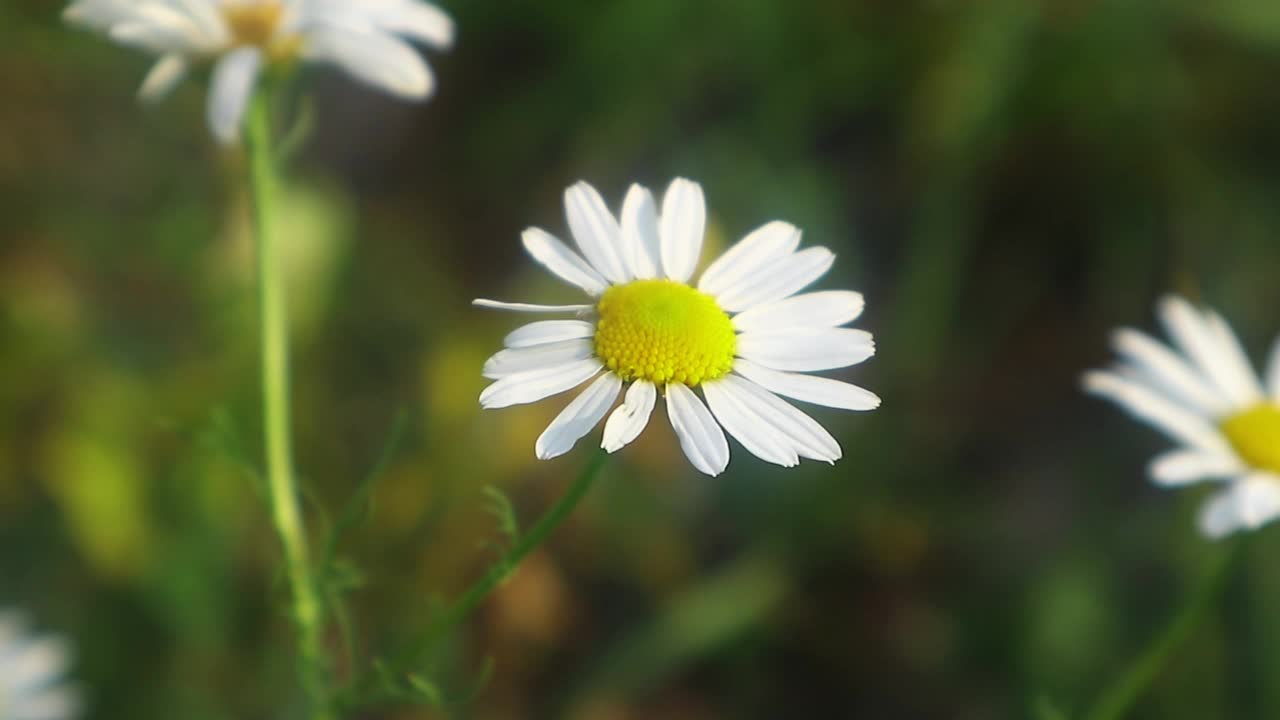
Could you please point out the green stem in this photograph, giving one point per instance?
(1116, 701)
(509, 561)
(274, 328)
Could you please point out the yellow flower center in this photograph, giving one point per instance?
(663, 331)
(1255, 435)
(256, 23)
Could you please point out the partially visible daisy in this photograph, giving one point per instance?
(32, 669)
(1204, 394)
(366, 38)
(742, 334)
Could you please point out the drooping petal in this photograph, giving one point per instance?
(548, 331)
(758, 249)
(809, 388)
(1184, 467)
(700, 437)
(1169, 371)
(806, 435)
(807, 349)
(777, 280)
(563, 262)
(683, 224)
(1142, 403)
(641, 243)
(578, 417)
(595, 231)
(629, 420)
(1247, 504)
(232, 85)
(375, 58)
(163, 77)
(510, 362)
(529, 307)
(828, 308)
(533, 385)
(758, 436)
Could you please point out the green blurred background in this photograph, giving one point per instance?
(1005, 180)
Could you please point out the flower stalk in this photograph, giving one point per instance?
(1129, 686)
(274, 341)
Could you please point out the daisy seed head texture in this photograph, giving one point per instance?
(744, 334)
(1202, 392)
(32, 670)
(369, 39)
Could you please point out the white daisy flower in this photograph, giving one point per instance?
(1204, 394)
(366, 38)
(31, 674)
(742, 334)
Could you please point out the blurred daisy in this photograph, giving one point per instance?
(742, 334)
(1204, 394)
(366, 38)
(31, 674)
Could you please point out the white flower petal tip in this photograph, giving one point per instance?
(528, 307)
(232, 85)
(1184, 467)
(1248, 504)
(700, 436)
(578, 418)
(32, 674)
(682, 226)
(630, 418)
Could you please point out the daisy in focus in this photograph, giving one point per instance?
(31, 675)
(742, 334)
(1203, 393)
(366, 38)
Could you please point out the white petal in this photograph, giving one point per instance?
(374, 58)
(641, 245)
(231, 88)
(631, 417)
(163, 77)
(1184, 467)
(1196, 336)
(530, 308)
(1142, 403)
(1273, 372)
(418, 21)
(1248, 504)
(160, 28)
(578, 417)
(808, 388)
(510, 362)
(562, 262)
(1169, 371)
(806, 435)
(595, 231)
(807, 349)
(777, 280)
(35, 663)
(684, 222)
(758, 436)
(758, 249)
(532, 386)
(48, 704)
(700, 437)
(548, 331)
(1235, 361)
(818, 309)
